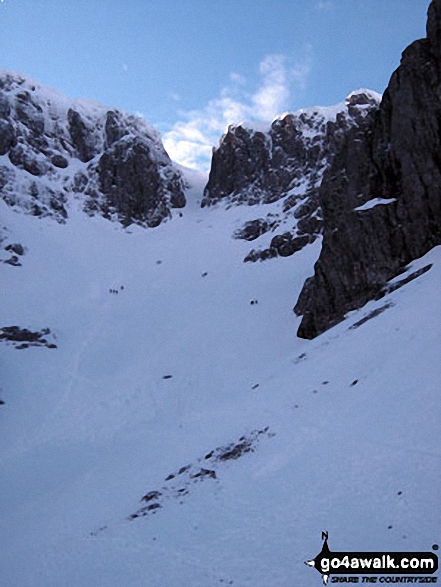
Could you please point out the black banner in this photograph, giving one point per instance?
(378, 563)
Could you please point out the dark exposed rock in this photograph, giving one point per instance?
(307, 208)
(80, 182)
(239, 164)
(205, 473)
(360, 99)
(253, 229)
(396, 158)
(6, 176)
(236, 451)
(311, 225)
(81, 136)
(16, 156)
(131, 182)
(36, 210)
(7, 136)
(57, 203)
(151, 495)
(286, 245)
(283, 245)
(20, 156)
(262, 255)
(181, 483)
(16, 248)
(177, 198)
(14, 261)
(5, 106)
(151, 507)
(15, 334)
(391, 287)
(59, 161)
(115, 128)
(371, 315)
(29, 113)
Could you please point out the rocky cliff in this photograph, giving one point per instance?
(282, 168)
(380, 197)
(53, 149)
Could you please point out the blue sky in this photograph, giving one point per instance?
(193, 66)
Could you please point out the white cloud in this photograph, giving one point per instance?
(325, 5)
(237, 78)
(190, 141)
(274, 92)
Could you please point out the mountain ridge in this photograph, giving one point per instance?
(397, 162)
(53, 148)
(366, 174)
(284, 166)
(161, 422)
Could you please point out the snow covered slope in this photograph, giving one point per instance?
(179, 369)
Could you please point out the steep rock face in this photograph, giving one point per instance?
(285, 166)
(380, 198)
(133, 186)
(53, 149)
(255, 166)
(81, 135)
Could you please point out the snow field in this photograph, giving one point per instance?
(90, 427)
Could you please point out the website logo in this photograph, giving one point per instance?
(329, 563)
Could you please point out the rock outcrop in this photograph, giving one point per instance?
(255, 166)
(381, 196)
(284, 166)
(53, 149)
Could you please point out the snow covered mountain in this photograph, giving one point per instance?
(283, 166)
(365, 173)
(161, 423)
(53, 149)
(380, 198)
